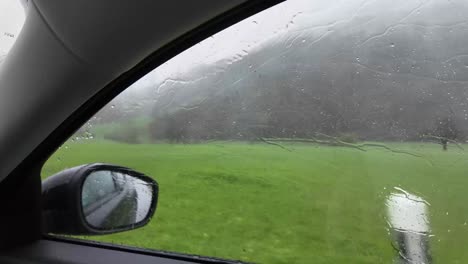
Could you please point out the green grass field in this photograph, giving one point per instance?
(261, 203)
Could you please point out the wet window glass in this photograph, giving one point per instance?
(313, 132)
(12, 17)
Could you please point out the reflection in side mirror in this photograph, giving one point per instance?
(112, 199)
(97, 199)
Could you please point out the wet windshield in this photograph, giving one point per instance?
(313, 132)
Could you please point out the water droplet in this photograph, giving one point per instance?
(392, 45)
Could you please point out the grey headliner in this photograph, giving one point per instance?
(69, 50)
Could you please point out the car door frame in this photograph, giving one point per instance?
(23, 240)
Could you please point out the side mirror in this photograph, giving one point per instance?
(97, 199)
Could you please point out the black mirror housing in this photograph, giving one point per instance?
(67, 211)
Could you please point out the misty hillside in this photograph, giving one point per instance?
(395, 72)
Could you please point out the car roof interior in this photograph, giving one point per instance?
(71, 58)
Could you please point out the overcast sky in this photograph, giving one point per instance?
(11, 21)
(240, 39)
(305, 20)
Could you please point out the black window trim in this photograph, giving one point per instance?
(142, 251)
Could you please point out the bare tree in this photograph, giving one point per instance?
(446, 131)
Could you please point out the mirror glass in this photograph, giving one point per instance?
(112, 199)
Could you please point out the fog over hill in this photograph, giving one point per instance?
(381, 70)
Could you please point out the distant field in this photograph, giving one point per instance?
(312, 204)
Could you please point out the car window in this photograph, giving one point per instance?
(313, 132)
(11, 21)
